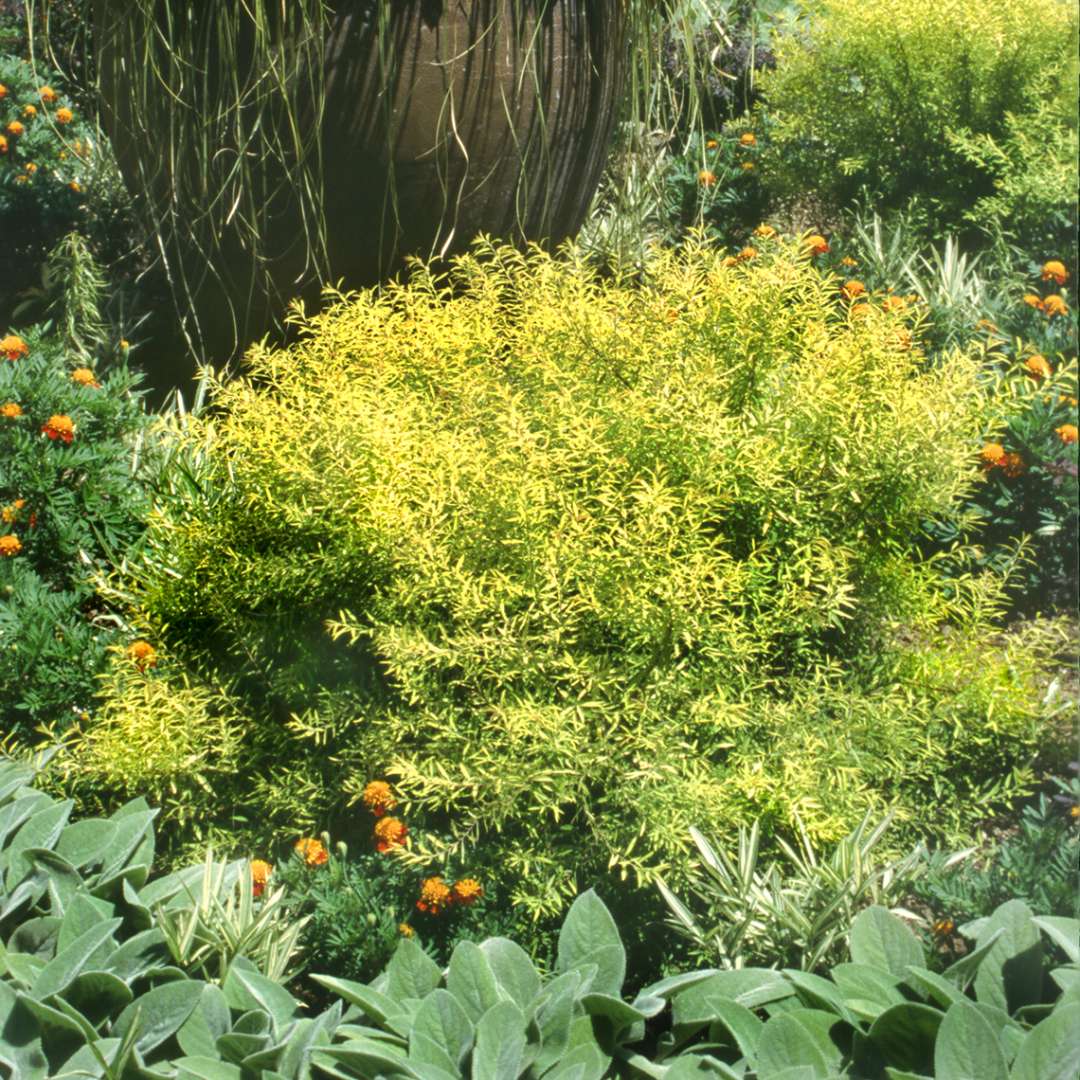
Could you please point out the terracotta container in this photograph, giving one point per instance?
(474, 116)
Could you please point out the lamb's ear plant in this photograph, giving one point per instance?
(88, 989)
(881, 1014)
(88, 985)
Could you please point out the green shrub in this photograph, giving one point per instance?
(1036, 862)
(578, 564)
(923, 99)
(1033, 167)
(71, 500)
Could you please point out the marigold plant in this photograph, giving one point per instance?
(13, 347)
(312, 851)
(435, 896)
(378, 797)
(390, 832)
(68, 475)
(260, 875)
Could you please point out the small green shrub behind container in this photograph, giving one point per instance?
(926, 99)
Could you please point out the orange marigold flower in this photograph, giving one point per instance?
(748, 253)
(1038, 367)
(1066, 433)
(10, 545)
(435, 895)
(848, 261)
(13, 347)
(853, 288)
(467, 891)
(3, 91)
(142, 654)
(311, 850)
(1033, 300)
(31, 167)
(1055, 305)
(47, 94)
(893, 303)
(378, 797)
(712, 144)
(817, 245)
(60, 427)
(10, 513)
(1055, 269)
(992, 455)
(1012, 464)
(706, 178)
(766, 231)
(987, 326)
(22, 178)
(3, 144)
(748, 138)
(75, 186)
(860, 311)
(84, 377)
(15, 129)
(747, 166)
(390, 832)
(405, 930)
(11, 410)
(260, 874)
(64, 115)
(943, 928)
(29, 111)
(729, 261)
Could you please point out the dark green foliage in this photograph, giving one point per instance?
(362, 905)
(1038, 863)
(714, 185)
(71, 507)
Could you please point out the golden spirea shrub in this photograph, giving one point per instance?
(580, 561)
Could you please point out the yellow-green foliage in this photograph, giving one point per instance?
(877, 95)
(154, 737)
(579, 562)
